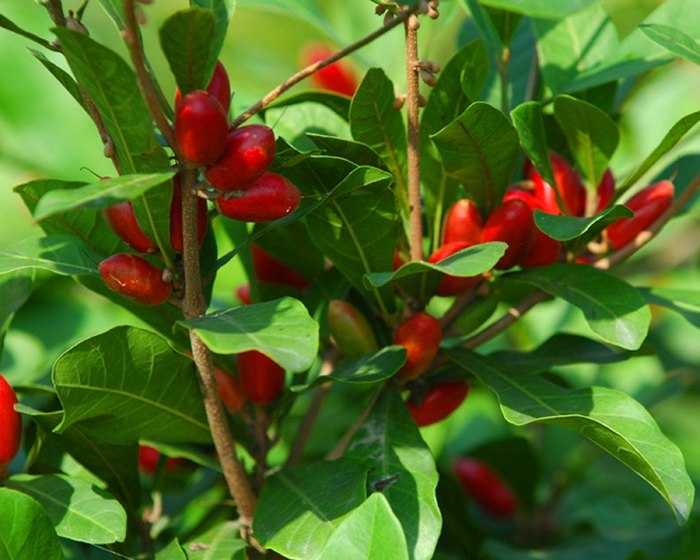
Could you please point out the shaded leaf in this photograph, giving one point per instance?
(62, 254)
(11, 26)
(356, 152)
(371, 368)
(682, 301)
(529, 123)
(62, 76)
(505, 22)
(15, 289)
(674, 40)
(554, 9)
(339, 104)
(223, 12)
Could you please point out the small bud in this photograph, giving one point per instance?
(433, 13)
(167, 275)
(428, 77)
(422, 101)
(399, 101)
(141, 17)
(413, 23)
(429, 65)
(75, 25)
(388, 18)
(379, 10)
(109, 148)
(423, 7)
(433, 3)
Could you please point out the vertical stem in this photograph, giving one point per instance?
(503, 64)
(412, 105)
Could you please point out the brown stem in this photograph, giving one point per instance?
(56, 11)
(312, 68)
(99, 123)
(413, 108)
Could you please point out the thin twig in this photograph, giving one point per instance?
(56, 11)
(339, 449)
(99, 123)
(503, 63)
(307, 425)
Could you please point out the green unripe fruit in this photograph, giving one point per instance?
(350, 330)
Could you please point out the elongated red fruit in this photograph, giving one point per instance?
(230, 390)
(135, 278)
(441, 400)
(261, 379)
(463, 222)
(568, 183)
(337, 77)
(10, 425)
(243, 294)
(272, 271)
(201, 128)
(268, 198)
(606, 190)
(176, 218)
(248, 153)
(453, 285)
(122, 221)
(350, 329)
(420, 335)
(149, 457)
(512, 223)
(219, 86)
(487, 488)
(647, 205)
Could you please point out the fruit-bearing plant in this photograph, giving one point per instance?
(397, 307)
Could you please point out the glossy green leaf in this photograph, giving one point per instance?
(133, 385)
(613, 309)
(529, 123)
(474, 72)
(609, 418)
(505, 22)
(115, 10)
(187, 38)
(554, 9)
(64, 78)
(400, 466)
(339, 104)
(566, 228)
(591, 135)
(222, 542)
(370, 531)
(281, 329)
(173, 551)
(375, 122)
(98, 195)
(371, 368)
(356, 152)
(674, 40)
(11, 26)
(480, 149)
(682, 301)
(61, 254)
(32, 535)
(78, 510)
(223, 12)
(317, 497)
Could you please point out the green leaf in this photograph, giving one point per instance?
(339, 104)
(186, 38)
(62, 76)
(15, 289)
(375, 122)
(356, 152)
(505, 22)
(223, 12)
(682, 301)
(78, 510)
(222, 542)
(475, 72)
(553, 9)
(31, 535)
(281, 329)
(566, 228)
(529, 123)
(61, 254)
(11, 26)
(317, 497)
(591, 135)
(356, 228)
(133, 385)
(480, 150)
(613, 309)
(370, 531)
(98, 195)
(173, 551)
(401, 466)
(610, 419)
(115, 10)
(674, 40)
(371, 368)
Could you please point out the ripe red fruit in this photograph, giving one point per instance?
(463, 222)
(398, 262)
(148, 460)
(542, 251)
(337, 77)
(272, 271)
(487, 488)
(452, 285)
(512, 223)
(10, 425)
(351, 331)
(243, 294)
(572, 191)
(176, 218)
(268, 198)
(219, 86)
(441, 400)
(230, 390)
(647, 205)
(201, 128)
(122, 221)
(606, 190)
(420, 335)
(135, 278)
(261, 379)
(248, 153)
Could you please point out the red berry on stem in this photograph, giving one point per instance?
(606, 190)
(268, 198)
(272, 271)
(261, 379)
(176, 217)
(337, 77)
(487, 488)
(10, 425)
(420, 335)
(452, 285)
(248, 153)
(201, 128)
(647, 205)
(512, 223)
(230, 390)
(122, 221)
(568, 183)
(135, 278)
(219, 86)
(463, 222)
(441, 400)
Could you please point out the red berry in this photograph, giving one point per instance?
(647, 205)
(350, 329)
(176, 217)
(337, 77)
(148, 460)
(243, 294)
(542, 251)
(261, 379)
(201, 128)
(512, 223)
(398, 261)
(135, 278)
(268, 198)
(229, 390)
(272, 271)
(219, 86)
(463, 222)
(452, 285)
(572, 191)
(526, 196)
(420, 335)
(606, 190)
(122, 221)
(248, 153)
(441, 400)
(488, 489)
(10, 425)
